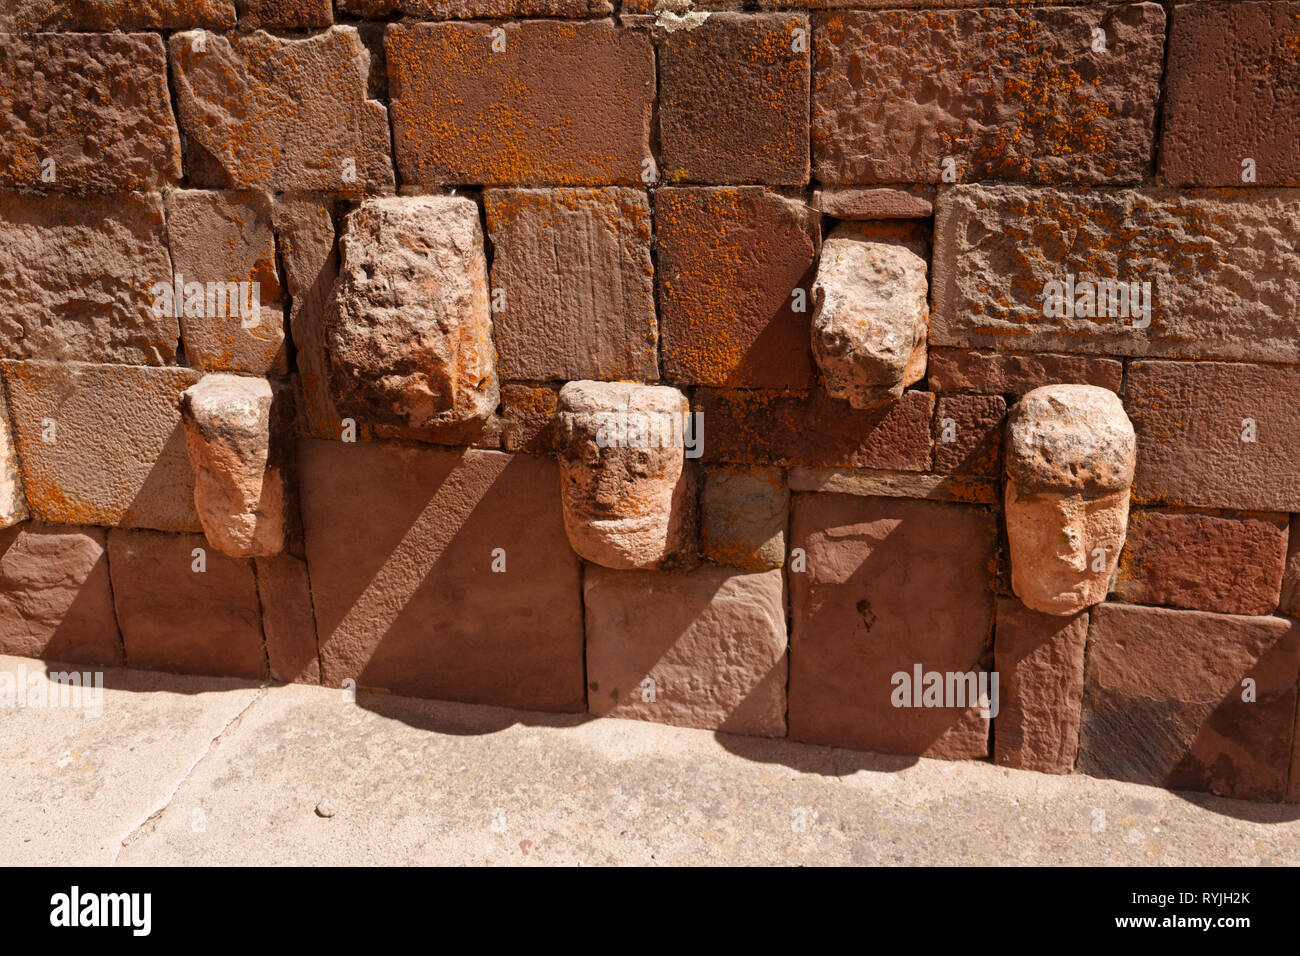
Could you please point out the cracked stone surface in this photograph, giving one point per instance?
(205, 771)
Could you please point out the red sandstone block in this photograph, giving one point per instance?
(29, 15)
(850, 202)
(55, 598)
(414, 605)
(1203, 562)
(814, 431)
(1290, 602)
(735, 265)
(79, 276)
(1163, 700)
(1039, 661)
(103, 444)
(475, 9)
(705, 648)
(285, 14)
(529, 413)
(1232, 94)
(281, 114)
(744, 514)
(998, 248)
(1008, 373)
(1004, 93)
(223, 238)
(559, 103)
(968, 434)
(96, 106)
(1193, 420)
(287, 618)
(733, 100)
(177, 618)
(890, 584)
(304, 228)
(574, 268)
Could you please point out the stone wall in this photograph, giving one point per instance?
(306, 308)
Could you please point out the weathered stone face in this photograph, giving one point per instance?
(238, 493)
(623, 479)
(409, 331)
(1070, 453)
(870, 317)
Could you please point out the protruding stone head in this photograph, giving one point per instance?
(408, 327)
(624, 484)
(1070, 453)
(238, 491)
(870, 316)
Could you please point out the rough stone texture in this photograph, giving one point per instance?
(1189, 418)
(180, 620)
(563, 103)
(1203, 562)
(285, 14)
(810, 429)
(238, 489)
(1290, 601)
(974, 423)
(1007, 94)
(1069, 457)
(413, 605)
(288, 620)
(228, 237)
(264, 112)
(96, 105)
(626, 491)
(1232, 92)
(967, 489)
(574, 266)
(13, 501)
(969, 370)
(733, 100)
(1039, 661)
(529, 413)
(55, 597)
(711, 641)
(729, 262)
(31, 15)
(409, 331)
(890, 583)
(1224, 270)
(77, 279)
(913, 202)
(304, 227)
(744, 513)
(475, 9)
(870, 317)
(1073, 438)
(118, 455)
(1163, 700)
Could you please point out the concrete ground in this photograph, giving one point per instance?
(180, 770)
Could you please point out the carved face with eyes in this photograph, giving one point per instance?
(1070, 454)
(622, 472)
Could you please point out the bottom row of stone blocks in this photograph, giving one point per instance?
(447, 574)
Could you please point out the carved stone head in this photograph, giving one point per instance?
(624, 485)
(870, 316)
(1070, 452)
